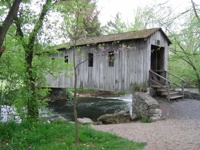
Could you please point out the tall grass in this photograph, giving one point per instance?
(59, 136)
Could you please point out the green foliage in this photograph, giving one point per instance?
(11, 71)
(116, 26)
(81, 18)
(147, 120)
(81, 21)
(185, 55)
(58, 135)
(144, 119)
(143, 18)
(15, 80)
(69, 94)
(138, 87)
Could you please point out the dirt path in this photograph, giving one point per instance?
(180, 130)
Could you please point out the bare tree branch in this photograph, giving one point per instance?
(195, 11)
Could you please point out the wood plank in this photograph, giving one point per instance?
(176, 96)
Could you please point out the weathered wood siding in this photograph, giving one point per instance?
(131, 64)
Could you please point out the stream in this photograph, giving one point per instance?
(89, 107)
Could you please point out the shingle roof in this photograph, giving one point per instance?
(140, 34)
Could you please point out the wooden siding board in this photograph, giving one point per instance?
(117, 71)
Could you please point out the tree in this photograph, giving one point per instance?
(143, 18)
(195, 10)
(186, 47)
(12, 14)
(90, 21)
(81, 20)
(116, 26)
(26, 41)
(29, 43)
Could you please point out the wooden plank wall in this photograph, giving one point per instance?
(131, 64)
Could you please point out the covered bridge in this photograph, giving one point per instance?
(113, 62)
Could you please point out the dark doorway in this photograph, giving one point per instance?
(157, 58)
(157, 63)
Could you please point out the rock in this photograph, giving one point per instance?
(120, 117)
(155, 118)
(152, 92)
(58, 94)
(58, 118)
(85, 120)
(99, 123)
(191, 95)
(154, 106)
(134, 117)
(155, 115)
(155, 111)
(145, 106)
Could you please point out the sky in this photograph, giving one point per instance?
(109, 8)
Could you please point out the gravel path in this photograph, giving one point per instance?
(180, 131)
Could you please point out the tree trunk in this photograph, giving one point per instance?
(75, 98)
(7, 23)
(198, 81)
(30, 81)
(32, 101)
(29, 49)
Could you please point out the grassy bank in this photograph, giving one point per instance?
(59, 136)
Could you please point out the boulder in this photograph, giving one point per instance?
(58, 94)
(58, 118)
(145, 106)
(191, 95)
(85, 121)
(119, 117)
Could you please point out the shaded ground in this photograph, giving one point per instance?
(181, 109)
(180, 130)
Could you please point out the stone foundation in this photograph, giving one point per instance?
(145, 107)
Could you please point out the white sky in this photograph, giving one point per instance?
(109, 8)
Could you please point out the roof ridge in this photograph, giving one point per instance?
(137, 34)
(122, 33)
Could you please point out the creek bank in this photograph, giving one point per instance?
(57, 94)
(85, 121)
(63, 94)
(144, 107)
(99, 93)
(119, 117)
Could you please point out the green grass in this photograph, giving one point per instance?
(59, 136)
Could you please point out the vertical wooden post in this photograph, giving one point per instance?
(168, 91)
(149, 78)
(165, 76)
